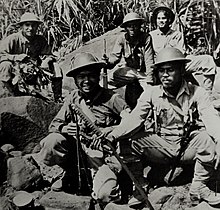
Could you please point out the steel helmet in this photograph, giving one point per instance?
(82, 61)
(170, 54)
(132, 16)
(29, 17)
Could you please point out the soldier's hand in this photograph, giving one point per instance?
(70, 129)
(96, 142)
(105, 58)
(110, 138)
(21, 57)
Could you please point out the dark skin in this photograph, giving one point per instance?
(170, 75)
(133, 29)
(87, 80)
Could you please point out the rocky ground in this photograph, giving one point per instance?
(24, 122)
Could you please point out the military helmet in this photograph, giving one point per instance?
(170, 54)
(29, 17)
(132, 16)
(84, 61)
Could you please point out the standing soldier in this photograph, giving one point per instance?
(20, 61)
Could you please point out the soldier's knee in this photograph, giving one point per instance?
(105, 187)
(6, 70)
(208, 59)
(52, 140)
(6, 64)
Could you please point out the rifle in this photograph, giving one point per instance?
(188, 127)
(105, 74)
(78, 153)
(98, 132)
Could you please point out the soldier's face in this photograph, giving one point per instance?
(29, 29)
(162, 20)
(87, 80)
(170, 74)
(133, 28)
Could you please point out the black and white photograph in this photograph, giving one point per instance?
(109, 104)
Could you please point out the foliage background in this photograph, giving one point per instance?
(68, 24)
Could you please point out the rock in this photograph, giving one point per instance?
(49, 173)
(7, 148)
(24, 121)
(202, 206)
(113, 206)
(23, 173)
(161, 195)
(3, 166)
(5, 204)
(64, 201)
(170, 198)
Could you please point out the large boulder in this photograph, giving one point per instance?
(24, 121)
(65, 201)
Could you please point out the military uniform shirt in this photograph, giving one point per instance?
(155, 97)
(106, 109)
(16, 44)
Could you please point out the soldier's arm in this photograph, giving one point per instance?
(9, 49)
(116, 54)
(133, 121)
(149, 59)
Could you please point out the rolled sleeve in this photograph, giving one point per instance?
(62, 118)
(117, 51)
(149, 59)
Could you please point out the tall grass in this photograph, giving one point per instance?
(70, 23)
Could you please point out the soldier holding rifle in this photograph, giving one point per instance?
(164, 110)
(105, 109)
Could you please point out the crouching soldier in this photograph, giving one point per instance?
(105, 109)
(20, 59)
(174, 103)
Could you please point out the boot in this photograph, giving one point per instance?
(199, 190)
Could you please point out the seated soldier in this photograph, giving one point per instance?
(20, 60)
(105, 109)
(132, 53)
(164, 36)
(164, 110)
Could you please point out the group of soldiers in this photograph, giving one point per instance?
(150, 130)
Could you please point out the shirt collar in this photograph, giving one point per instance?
(95, 98)
(23, 38)
(183, 89)
(159, 32)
